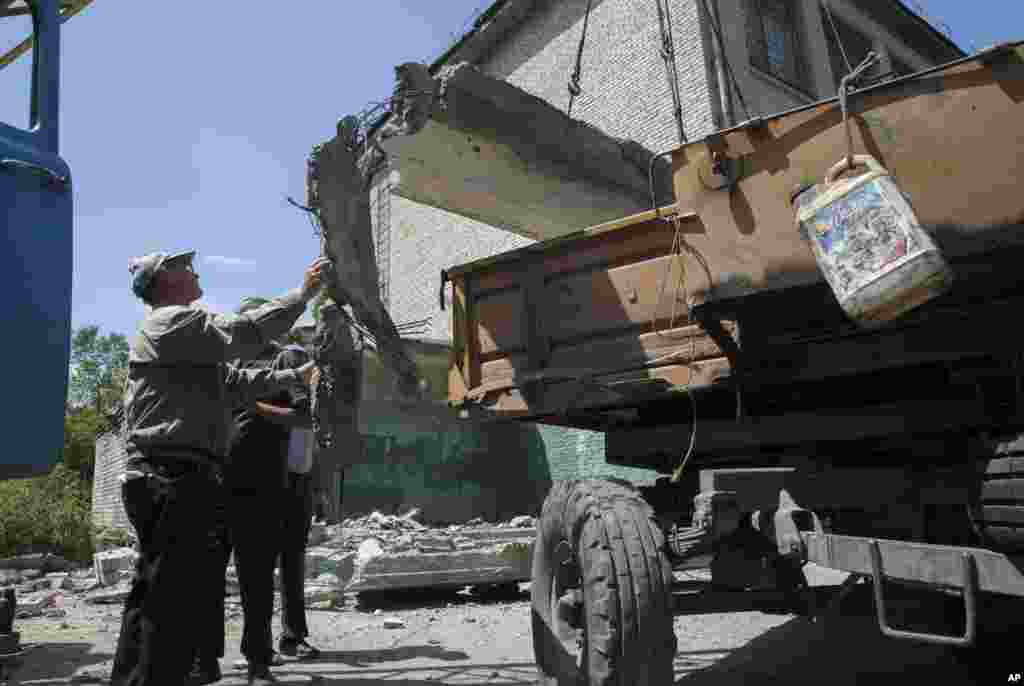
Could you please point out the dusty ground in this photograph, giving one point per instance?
(457, 638)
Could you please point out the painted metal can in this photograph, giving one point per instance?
(869, 245)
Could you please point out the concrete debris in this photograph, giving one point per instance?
(394, 624)
(34, 585)
(327, 580)
(510, 562)
(320, 594)
(86, 585)
(522, 522)
(60, 581)
(10, 577)
(109, 564)
(106, 596)
(36, 564)
(317, 534)
(33, 604)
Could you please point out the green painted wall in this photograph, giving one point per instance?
(459, 472)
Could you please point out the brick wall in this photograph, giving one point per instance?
(625, 87)
(107, 509)
(424, 240)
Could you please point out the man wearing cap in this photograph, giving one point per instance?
(178, 400)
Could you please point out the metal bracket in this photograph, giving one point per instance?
(49, 177)
(970, 591)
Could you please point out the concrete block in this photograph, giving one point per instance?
(33, 604)
(109, 596)
(376, 570)
(110, 563)
(60, 581)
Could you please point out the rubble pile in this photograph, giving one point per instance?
(370, 553)
(390, 552)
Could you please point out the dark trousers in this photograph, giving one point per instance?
(176, 515)
(298, 511)
(256, 522)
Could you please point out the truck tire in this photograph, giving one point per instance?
(601, 589)
(1000, 510)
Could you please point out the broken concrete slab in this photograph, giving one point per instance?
(376, 570)
(522, 522)
(109, 564)
(521, 164)
(108, 596)
(59, 581)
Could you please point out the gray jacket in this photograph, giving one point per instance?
(181, 391)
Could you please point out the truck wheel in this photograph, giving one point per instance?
(999, 514)
(601, 590)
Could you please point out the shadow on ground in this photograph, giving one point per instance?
(846, 647)
(53, 661)
(366, 658)
(432, 598)
(512, 674)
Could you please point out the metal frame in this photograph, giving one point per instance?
(969, 591)
(68, 9)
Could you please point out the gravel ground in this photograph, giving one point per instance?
(459, 638)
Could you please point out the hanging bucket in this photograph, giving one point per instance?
(869, 245)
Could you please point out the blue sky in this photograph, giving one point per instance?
(187, 122)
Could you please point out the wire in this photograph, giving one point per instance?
(668, 54)
(574, 81)
(716, 27)
(839, 39)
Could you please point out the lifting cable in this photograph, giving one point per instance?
(839, 39)
(668, 54)
(716, 27)
(574, 81)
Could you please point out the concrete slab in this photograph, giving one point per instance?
(480, 147)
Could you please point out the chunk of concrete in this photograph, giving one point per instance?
(60, 581)
(33, 604)
(41, 562)
(376, 570)
(109, 596)
(109, 564)
(522, 522)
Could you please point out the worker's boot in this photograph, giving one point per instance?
(259, 675)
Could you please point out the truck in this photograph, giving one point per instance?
(704, 341)
(36, 262)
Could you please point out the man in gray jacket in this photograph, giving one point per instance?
(178, 400)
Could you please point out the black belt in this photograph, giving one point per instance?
(172, 465)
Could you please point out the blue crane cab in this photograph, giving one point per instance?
(36, 258)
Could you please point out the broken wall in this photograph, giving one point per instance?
(107, 508)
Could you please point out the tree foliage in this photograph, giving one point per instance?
(99, 366)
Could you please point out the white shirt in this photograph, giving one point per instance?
(300, 451)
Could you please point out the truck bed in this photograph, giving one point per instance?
(579, 331)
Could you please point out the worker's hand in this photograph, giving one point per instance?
(313, 278)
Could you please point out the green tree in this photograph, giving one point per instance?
(99, 365)
(81, 427)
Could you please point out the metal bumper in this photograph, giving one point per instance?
(968, 570)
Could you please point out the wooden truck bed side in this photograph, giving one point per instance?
(556, 330)
(534, 326)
